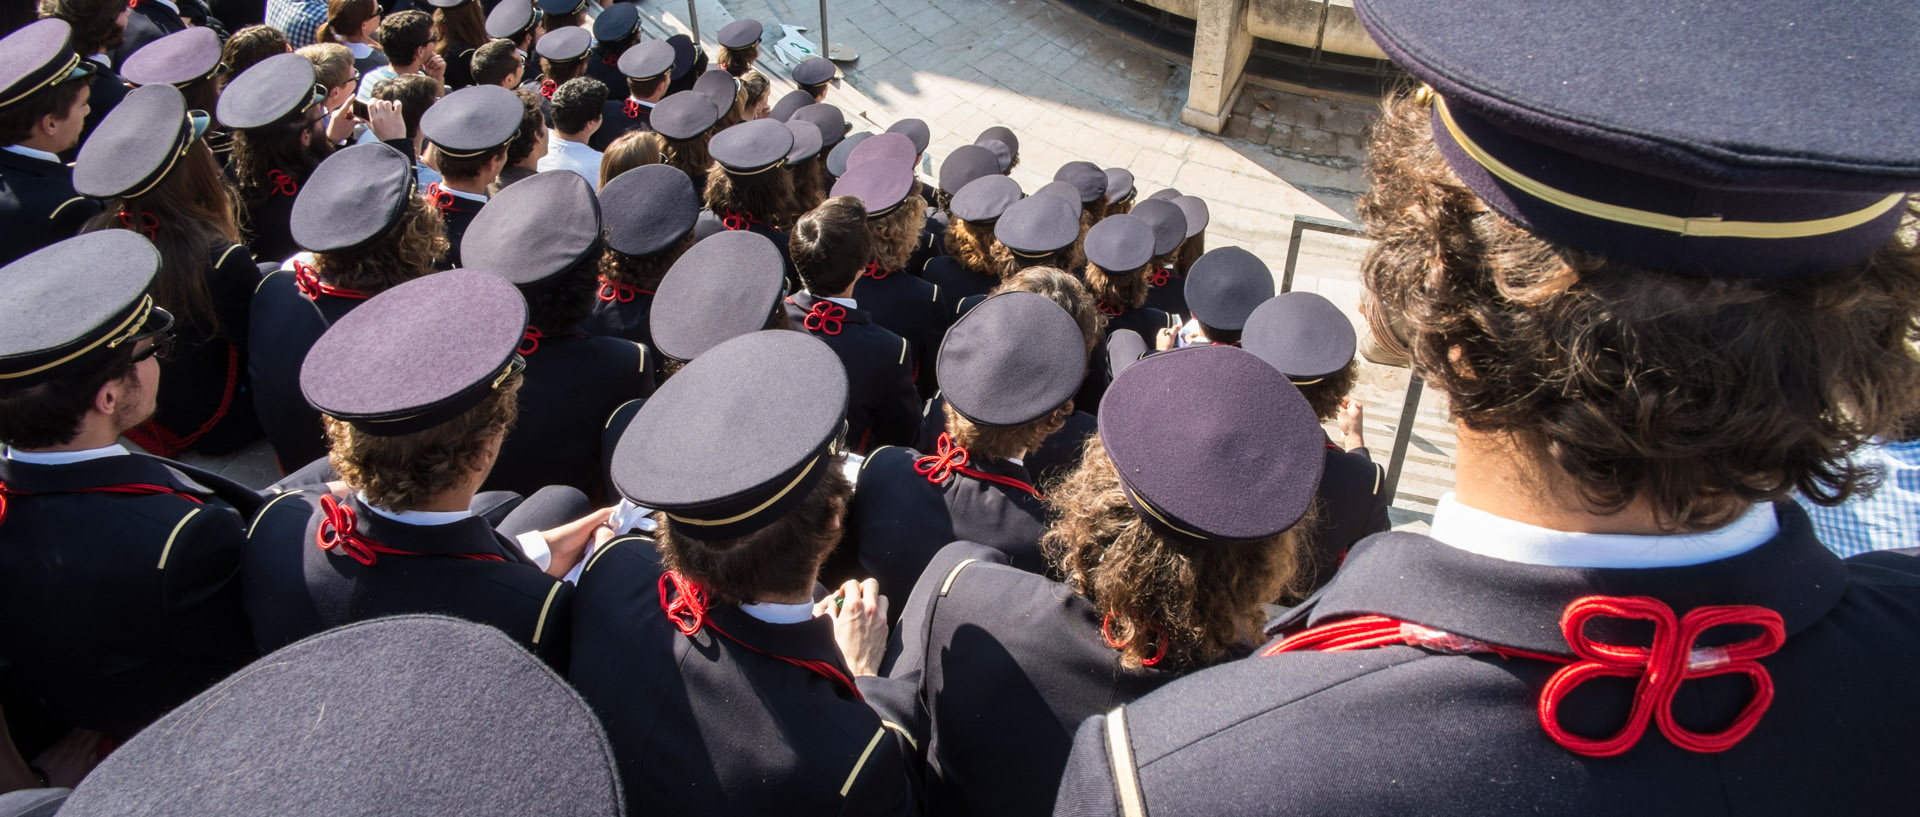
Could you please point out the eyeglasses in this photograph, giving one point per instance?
(162, 348)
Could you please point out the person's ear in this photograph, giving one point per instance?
(111, 396)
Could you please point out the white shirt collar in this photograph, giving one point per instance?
(1476, 531)
(632, 98)
(65, 457)
(462, 193)
(1016, 461)
(416, 517)
(103, 59)
(32, 153)
(360, 51)
(557, 142)
(846, 302)
(775, 613)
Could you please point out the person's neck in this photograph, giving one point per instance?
(845, 293)
(476, 185)
(96, 431)
(41, 141)
(452, 499)
(1496, 474)
(532, 163)
(580, 137)
(798, 597)
(404, 70)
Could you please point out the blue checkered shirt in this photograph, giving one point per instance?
(1887, 520)
(298, 19)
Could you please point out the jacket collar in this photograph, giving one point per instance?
(805, 300)
(468, 536)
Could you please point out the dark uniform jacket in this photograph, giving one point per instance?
(1056, 457)
(933, 236)
(148, 22)
(294, 589)
(264, 223)
(1008, 664)
(1145, 321)
(1168, 293)
(284, 323)
(606, 68)
(116, 607)
(1352, 506)
(37, 205)
(573, 384)
(624, 312)
(456, 212)
(206, 403)
(882, 406)
(1405, 730)
(621, 114)
(719, 724)
(956, 282)
(900, 517)
(913, 309)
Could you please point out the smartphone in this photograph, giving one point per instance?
(360, 109)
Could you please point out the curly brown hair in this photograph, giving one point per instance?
(404, 472)
(780, 560)
(1202, 603)
(973, 246)
(406, 252)
(643, 271)
(1127, 290)
(1324, 395)
(1696, 396)
(897, 234)
(1001, 443)
(767, 195)
(95, 23)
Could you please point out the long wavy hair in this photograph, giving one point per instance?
(191, 214)
(897, 234)
(260, 151)
(643, 271)
(406, 252)
(459, 28)
(1127, 290)
(690, 156)
(973, 246)
(767, 195)
(405, 472)
(809, 188)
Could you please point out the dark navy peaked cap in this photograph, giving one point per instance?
(720, 87)
(985, 199)
(684, 116)
(1088, 180)
(685, 54)
(916, 131)
(564, 44)
(473, 120)
(725, 286)
(71, 304)
(616, 22)
(793, 101)
(815, 71)
(559, 7)
(1003, 143)
(1119, 185)
(1012, 359)
(268, 91)
(1243, 463)
(739, 437)
(445, 4)
(1302, 334)
(1196, 212)
(648, 208)
(883, 147)
(1225, 285)
(1168, 221)
(188, 55)
(741, 33)
(419, 354)
(752, 147)
(1165, 193)
(1039, 225)
(37, 56)
(437, 706)
(131, 150)
(840, 154)
(352, 199)
(1064, 191)
(966, 163)
(831, 122)
(647, 60)
(1120, 243)
(881, 186)
(1775, 140)
(510, 19)
(536, 229)
(806, 141)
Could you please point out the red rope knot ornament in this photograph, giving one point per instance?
(547, 87)
(1671, 659)
(949, 459)
(1106, 632)
(611, 291)
(685, 604)
(1110, 310)
(632, 108)
(147, 223)
(336, 530)
(308, 282)
(609, 60)
(439, 198)
(283, 184)
(873, 270)
(1160, 276)
(738, 220)
(4, 493)
(530, 342)
(827, 317)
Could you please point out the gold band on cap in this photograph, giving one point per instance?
(775, 166)
(185, 146)
(1155, 513)
(688, 520)
(1305, 382)
(1702, 227)
(62, 75)
(112, 339)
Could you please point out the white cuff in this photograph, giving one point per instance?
(535, 546)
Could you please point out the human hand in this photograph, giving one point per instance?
(568, 543)
(435, 66)
(1165, 339)
(859, 624)
(340, 123)
(384, 119)
(1351, 417)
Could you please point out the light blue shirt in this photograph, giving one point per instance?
(1888, 519)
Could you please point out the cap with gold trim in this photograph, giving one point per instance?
(1243, 465)
(737, 438)
(1302, 334)
(269, 91)
(725, 286)
(1775, 142)
(473, 121)
(512, 19)
(419, 354)
(123, 157)
(537, 230)
(38, 56)
(181, 58)
(72, 305)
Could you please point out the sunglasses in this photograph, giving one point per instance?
(159, 329)
(162, 348)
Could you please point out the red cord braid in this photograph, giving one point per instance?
(825, 316)
(1106, 632)
(128, 489)
(873, 270)
(632, 108)
(611, 291)
(1660, 668)
(283, 184)
(739, 220)
(530, 341)
(147, 223)
(1160, 276)
(948, 459)
(337, 530)
(1110, 310)
(547, 88)
(309, 283)
(685, 604)
(440, 199)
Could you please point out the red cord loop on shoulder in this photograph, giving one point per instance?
(738, 220)
(283, 184)
(547, 88)
(611, 291)
(147, 223)
(825, 316)
(337, 529)
(685, 604)
(873, 270)
(1106, 632)
(440, 199)
(1659, 668)
(948, 459)
(1110, 310)
(126, 489)
(530, 341)
(307, 280)
(1159, 276)
(632, 108)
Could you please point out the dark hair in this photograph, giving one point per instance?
(248, 46)
(737, 61)
(780, 559)
(1216, 334)
(691, 156)
(808, 186)
(18, 120)
(564, 71)
(348, 16)
(1325, 396)
(1123, 289)
(466, 167)
(49, 414)
(415, 93)
(402, 34)
(533, 122)
(403, 472)
(830, 245)
(275, 146)
(494, 62)
(643, 271)
(405, 252)
(768, 196)
(577, 102)
(646, 88)
(94, 23)
(1696, 396)
(560, 303)
(1056, 260)
(459, 28)
(194, 212)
